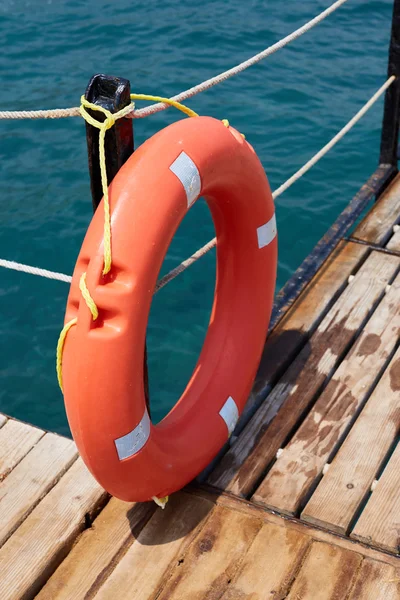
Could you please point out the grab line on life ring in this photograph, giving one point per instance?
(110, 120)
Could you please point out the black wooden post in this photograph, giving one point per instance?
(112, 93)
(390, 126)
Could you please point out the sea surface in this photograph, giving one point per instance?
(288, 106)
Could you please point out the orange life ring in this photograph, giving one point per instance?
(103, 359)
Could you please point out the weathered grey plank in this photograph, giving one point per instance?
(213, 558)
(31, 479)
(158, 548)
(326, 574)
(257, 445)
(16, 439)
(379, 521)
(37, 547)
(270, 564)
(376, 581)
(303, 459)
(377, 226)
(97, 552)
(349, 478)
(295, 327)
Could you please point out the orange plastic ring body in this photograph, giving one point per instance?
(103, 359)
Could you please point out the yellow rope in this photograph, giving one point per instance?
(60, 347)
(189, 112)
(87, 297)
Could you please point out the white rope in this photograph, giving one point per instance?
(185, 264)
(10, 264)
(206, 85)
(54, 113)
(211, 244)
(334, 140)
(58, 113)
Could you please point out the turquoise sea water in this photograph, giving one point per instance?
(288, 107)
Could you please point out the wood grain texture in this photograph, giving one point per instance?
(270, 565)
(302, 461)
(379, 523)
(213, 558)
(376, 581)
(159, 547)
(326, 574)
(377, 226)
(322, 535)
(3, 420)
(31, 479)
(245, 462)
(349, 478)
(16, 439)
(295, 327)
(38, 546)
(97, 551)
(394, 242)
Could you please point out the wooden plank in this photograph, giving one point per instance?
(97, 551)
(326, 574)
(394, 242)
(32, 479)
(270, 565)
(302, 461)
(379, 521)
(258, 443)
(38, 546)
(295, 327)
(213, 558)
(377, 226)
(3, 420)
(158, 548)
(376, 581)
(231, 502)
(349, 478)
(16, 439)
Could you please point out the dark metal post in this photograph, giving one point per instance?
(112, 93)
(390, 126)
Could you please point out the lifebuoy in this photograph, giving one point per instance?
(103, 359)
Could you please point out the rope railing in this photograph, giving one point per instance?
(15, 266)
(209, 83)
(60, 113)
(211, 244)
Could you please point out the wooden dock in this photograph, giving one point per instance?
(305, 503)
